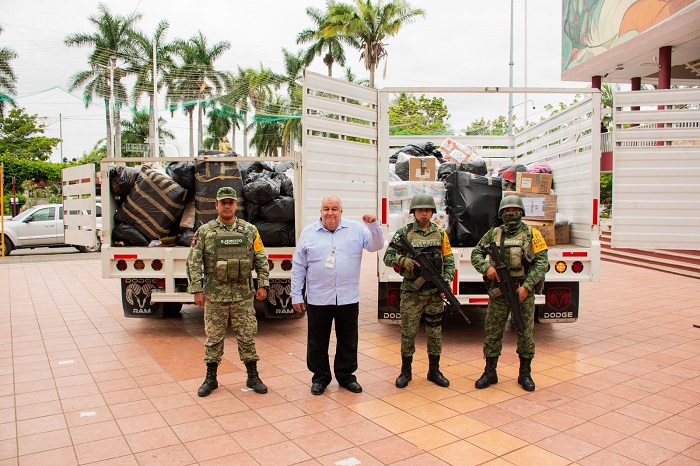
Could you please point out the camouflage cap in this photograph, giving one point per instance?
(226, 193)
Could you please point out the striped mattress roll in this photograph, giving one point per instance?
(153, 205)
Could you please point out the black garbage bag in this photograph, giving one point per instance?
(280, 210)
(252, 211)
(183, 174)
(445, 170)
(154, 204)
(286, 185)
(276, 234)
(185, 238)
(472, 205)
(261, 187)
(128, 235)
(251, 167)
(477, 168)
(402, 169)
(282, 167)
(121, 179)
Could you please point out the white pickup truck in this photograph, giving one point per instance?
(43, 226)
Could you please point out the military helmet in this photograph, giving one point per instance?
(423, 201)
(511, 201)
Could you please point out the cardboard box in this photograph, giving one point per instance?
(541, 207)
(540, 183)
(546, 228)
(561, 234)
(422, 169)
(455, 152)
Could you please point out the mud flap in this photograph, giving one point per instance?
(389, 303)
(136, 298)
(278, 304)
(562, 302)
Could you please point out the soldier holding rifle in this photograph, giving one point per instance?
(524, 253)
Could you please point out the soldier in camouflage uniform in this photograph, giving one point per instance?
(525, 252)
(219, 269)
(423, 236)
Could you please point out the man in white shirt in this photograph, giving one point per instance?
(327, 259)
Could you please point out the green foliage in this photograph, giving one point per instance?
(95, 156)
(483, 127)
(25, 170)
(606, 186)
(20, 136)
(411, 115)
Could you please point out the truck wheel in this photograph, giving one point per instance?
(8, 246)
(97, 248)
(171, 309)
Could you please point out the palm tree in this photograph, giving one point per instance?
(293, 77)
(352, 78)
(365, 25)
(196, 78)
(250, 87)
(111, 43)
(138, 130)
(141, 63)
(97, 82)
(330, 47)
(222, 119)
(269, 127)
(7, 78)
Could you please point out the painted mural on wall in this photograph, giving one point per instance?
(592, 27)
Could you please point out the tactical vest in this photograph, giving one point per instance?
(518, 253)
(430, 246)
(233, 257)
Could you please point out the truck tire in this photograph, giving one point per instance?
(171, 309)
(8, 246)
(97, 248)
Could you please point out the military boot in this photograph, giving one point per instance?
(254, 381)
(434, 374)
(489, 376)
(524, 378)
(210, 382)
(405, 376)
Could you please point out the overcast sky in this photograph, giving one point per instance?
(458, 43)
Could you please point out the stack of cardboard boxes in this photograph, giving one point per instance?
(540, 206)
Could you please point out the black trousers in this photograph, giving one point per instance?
(320, 319)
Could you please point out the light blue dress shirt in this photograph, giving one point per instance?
(340, 284)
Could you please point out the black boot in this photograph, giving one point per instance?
(489, 376)
(254, 381)
(434, 374)
(210, 382)
(524, 378)
(405, 376)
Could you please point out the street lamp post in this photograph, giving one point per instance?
(510, 79)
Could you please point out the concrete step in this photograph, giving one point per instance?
(686, 263)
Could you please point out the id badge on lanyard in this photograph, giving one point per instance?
(330, 260)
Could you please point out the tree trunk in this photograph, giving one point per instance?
(117, 132)
(191, 112)
(110, 142)
(330, 70)
(245, 134)
(371, 77)
(152, 126)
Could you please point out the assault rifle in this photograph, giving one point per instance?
(428, 273)
(507, 287)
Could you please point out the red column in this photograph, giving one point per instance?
(665, 67)
(636, 84)
(596, 82)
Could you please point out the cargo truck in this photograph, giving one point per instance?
(346, 147)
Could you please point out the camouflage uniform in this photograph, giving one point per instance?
(227, 302)
(498, 308)
(426, 300)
